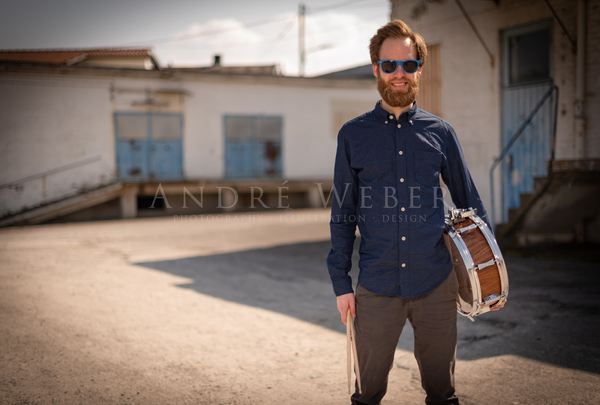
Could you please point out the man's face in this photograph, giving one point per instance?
(398, 89)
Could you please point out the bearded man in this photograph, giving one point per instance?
(387, 177)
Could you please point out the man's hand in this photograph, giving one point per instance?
(343, 303)
(497, 308)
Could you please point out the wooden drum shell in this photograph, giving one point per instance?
(478, 265)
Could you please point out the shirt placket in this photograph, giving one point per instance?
(402, 182)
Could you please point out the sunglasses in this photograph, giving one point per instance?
(389, 66)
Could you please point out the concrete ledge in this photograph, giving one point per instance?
(580, 165)
(64, 207)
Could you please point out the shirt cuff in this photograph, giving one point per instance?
(343, 286)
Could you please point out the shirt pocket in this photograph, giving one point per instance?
(427, 168)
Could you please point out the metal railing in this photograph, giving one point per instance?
(53, 171)
(517, 134)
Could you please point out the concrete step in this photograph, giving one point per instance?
(512, 214)
(65, 206)
(539, 183)
(525, 199)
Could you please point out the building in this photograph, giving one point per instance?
(502, 68)
(98, 134)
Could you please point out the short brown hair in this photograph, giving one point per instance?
(397, 29)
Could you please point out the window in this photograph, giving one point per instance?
(527, 54)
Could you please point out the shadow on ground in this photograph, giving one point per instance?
(553, 312)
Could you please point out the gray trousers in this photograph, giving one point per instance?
(378, 324)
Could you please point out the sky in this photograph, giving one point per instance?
(190, 33)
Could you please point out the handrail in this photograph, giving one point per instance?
(53, 171)
(518, 133)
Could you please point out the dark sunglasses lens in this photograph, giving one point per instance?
(410, 66)
(388, 66)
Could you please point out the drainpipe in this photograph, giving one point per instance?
(580, 83)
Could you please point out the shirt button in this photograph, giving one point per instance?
(400, 152)
(410, 122)
(401, 180)
(391, 117)
(404, 238)
(402, 209)
(386, 122)
(403, 264)
(399, 126)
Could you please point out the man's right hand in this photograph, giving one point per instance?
(343, 303)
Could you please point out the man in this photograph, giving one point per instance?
(387, 171)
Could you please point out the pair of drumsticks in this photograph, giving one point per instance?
(351, 346)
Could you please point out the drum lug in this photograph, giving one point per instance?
(459, 215)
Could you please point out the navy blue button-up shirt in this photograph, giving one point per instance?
(386, 182)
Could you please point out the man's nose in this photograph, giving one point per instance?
(399, 73)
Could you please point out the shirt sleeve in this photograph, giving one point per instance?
(457, 177)
(343, 219)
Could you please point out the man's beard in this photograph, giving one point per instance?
(395, 98)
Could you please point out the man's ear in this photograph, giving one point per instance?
(375, 69)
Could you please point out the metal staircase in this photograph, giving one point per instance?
(559, 206)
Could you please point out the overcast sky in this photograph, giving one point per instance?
(191, 32)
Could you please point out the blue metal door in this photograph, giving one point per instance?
(166, 150)
(132, 146)
(149, 146)
(252, 146)
(526, 77)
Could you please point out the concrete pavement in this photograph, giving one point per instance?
(238, 309)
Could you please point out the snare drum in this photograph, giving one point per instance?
(478, 263)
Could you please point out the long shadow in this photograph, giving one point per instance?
(553, 312)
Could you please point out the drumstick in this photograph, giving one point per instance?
(352, 338)
(348, 349)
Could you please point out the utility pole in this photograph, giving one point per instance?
(301, 13)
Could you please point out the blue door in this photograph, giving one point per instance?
(526, 77)
(149, 146)
(252, 146)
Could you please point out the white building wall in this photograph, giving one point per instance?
(308, 146)
(49, 122)
(592, 106)
(471, 84)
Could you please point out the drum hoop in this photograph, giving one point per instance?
(497, 256)
(473, 277)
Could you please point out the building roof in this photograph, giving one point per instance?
(69, 57)
(267, 70)
(359, 72)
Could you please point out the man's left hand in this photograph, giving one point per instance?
(498, 307)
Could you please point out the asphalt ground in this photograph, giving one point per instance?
(238, 309)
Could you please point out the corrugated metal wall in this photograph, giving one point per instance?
(528, 156)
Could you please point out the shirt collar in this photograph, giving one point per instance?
(385, 116)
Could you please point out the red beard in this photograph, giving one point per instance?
(395, 98)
